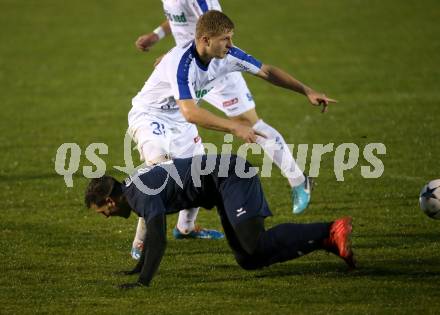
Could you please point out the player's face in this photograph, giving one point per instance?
(220, 45)
(105, 210)
(110, 209)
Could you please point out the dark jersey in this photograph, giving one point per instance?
(226, 181)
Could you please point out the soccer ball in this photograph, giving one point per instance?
(430, 199)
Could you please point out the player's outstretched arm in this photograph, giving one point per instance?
(138, 268)
(155, 245)
(146, 41)
(281, 78)
(206, 119)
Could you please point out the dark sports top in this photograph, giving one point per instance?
(226, 181)
(205, 181)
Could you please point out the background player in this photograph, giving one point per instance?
(240, 204)
(181, 79)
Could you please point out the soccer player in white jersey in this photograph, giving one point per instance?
(208, 67)
(231, 95)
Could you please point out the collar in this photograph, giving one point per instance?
(199, 62)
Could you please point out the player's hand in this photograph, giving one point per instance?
(145, 42)
(132, 285)
(246, 133)
(319, 99)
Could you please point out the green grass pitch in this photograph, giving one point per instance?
(68, 70)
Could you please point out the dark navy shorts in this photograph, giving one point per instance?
(243, 198)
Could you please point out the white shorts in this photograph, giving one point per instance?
(158, 134)
(231, 95)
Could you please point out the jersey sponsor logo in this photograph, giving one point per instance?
(178, 18)
(249, 97)
(201, 93)
(240, 211)
(197, 139)
(230, 102)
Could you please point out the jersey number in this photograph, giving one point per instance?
(159, 129)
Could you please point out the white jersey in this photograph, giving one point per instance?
(181, 75)
(183, 15)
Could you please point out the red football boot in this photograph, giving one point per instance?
(339, 242)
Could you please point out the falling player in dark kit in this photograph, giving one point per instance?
(227, 182)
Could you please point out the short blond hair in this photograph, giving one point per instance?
(213, 23)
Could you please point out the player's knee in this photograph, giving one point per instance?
(249, 248)
(153, 154)
(247, 262)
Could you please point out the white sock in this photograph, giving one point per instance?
(141, 231)
(276, 148)
(186, 221)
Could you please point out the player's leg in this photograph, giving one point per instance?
(235, 100)
(184, 146)
(288, 241)
(276, 148)
(242, 256)
(282, 242)
(245, 207)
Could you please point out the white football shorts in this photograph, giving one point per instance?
(231, 95)
(158, 134)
